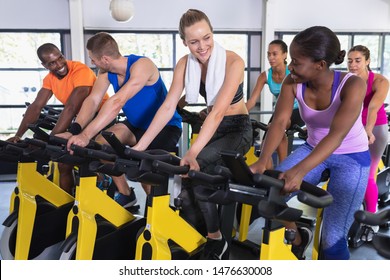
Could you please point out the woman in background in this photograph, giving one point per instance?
(273, 77)
(375, 122)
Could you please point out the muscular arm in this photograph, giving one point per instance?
(255, 95)
(143, 72)
(33, 110)
(92, 102)
(71, 108)
(380, 88)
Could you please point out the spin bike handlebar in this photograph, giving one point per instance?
(208, 178)
(259, 125)
(309, 194)
(165, 167)
(92, 153)
(10, 151)
(302, 133)
(55, 151)
(156, 154)
(381, 242)
(373, 219)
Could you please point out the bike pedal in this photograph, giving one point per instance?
(133, 209)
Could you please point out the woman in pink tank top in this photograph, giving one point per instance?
(374, 119)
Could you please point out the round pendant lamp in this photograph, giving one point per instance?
(122, 10)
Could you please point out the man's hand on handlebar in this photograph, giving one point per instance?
(79, 140)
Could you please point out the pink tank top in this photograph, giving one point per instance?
(318, 123)
(381, 115)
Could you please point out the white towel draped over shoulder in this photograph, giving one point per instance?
(214, 77)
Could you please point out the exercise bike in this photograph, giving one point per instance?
(97, 227)
(38, 208)
(381, 242)
(263, 192)
(166, 234)
(245, 214)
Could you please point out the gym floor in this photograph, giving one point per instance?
(238, 252)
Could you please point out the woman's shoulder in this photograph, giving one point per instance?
(182, 62)
(380, 83)
(351, 83)
(233, 58)
(380, 78)
(349, 77)
(233, 55)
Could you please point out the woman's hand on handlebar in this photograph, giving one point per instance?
(292, 180)
(191, 162)
(292, 177)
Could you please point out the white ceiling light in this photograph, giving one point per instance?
(122, 10)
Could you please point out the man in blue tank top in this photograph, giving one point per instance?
(139, 92)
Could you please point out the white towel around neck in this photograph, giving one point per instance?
(214, 77)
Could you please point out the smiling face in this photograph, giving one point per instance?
(55, 62)
(302, 68)
(357, 62)
(199, 40)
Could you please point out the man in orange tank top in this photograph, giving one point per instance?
(70, 82)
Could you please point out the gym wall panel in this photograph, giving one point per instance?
(165, 15)
(34, 14)
(339, 15)
(288, 15)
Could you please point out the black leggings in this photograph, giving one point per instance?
(234, 134)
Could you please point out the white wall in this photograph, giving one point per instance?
(34, 14)
(165, 15)
(289, 15)
(338, 15)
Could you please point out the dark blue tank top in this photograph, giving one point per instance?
(142, 107)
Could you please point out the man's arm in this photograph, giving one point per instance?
(143, 72)
(92, 103)
(72, 107)
(32, 113)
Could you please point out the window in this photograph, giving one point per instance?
(377, 43)
(21, 72)
(158, 47)
(386, 57)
